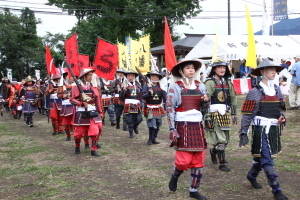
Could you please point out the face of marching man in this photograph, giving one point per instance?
(88, 77)
(120, 74)
(189, 71)
(220, 70)
(154, 78)
(130, 77)
(269, 72)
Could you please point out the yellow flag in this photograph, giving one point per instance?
(134, 54)
(123, 56)
(144, 54)
(251, 53)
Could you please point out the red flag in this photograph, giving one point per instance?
(72, 53)
(106, 59)
(49, 61)
(169, 49)
(83, 61)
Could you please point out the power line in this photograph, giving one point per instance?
(102, 8)
(38, 36)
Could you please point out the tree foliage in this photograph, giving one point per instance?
(116, 19)
(20, 47)
(57, 46)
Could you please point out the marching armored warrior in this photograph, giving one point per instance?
(4, 91)
(55, 104)
(1, 104)
(66, 112)
(89, 111)
(19, 102)
(131, 92)
(118, 103)
(185, 101)
(107, 91)
(155, 98)
(42, 100)
(223, 100)
(263, 108)
(12, 99)
(29, 93)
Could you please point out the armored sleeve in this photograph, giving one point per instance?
(249, 109)
(173, 101)
(210, 87)
(145, 92)
(233, 101)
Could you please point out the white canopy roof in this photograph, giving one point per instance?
(234, 47)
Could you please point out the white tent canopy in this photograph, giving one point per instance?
(234, 47)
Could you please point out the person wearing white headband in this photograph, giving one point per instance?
(185, 102)
(263, 109)
(223, 105)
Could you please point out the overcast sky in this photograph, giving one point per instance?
(61, 23)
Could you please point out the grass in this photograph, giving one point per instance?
(39, 166)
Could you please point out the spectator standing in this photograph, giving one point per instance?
(294, 93)
(244, 70)
(283, 64)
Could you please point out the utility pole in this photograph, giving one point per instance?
(272, 15)
(265, 28)
(229, 24)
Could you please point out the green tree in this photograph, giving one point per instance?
(57, 46)
(116, 19)
(32, 44)
(20, 48)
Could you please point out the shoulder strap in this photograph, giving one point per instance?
(260, 89)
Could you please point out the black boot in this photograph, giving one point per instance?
(27, 122)
(94, 153)
(30, 120)
(252, 175)
(86, 146)
(150, 136)
(155, 132)
(54, 133)
(68, 139)
(254, 183)
(136, 131)
(125, 126)
(197, 195)
(280, 196)
(77, 150)
(223, 164)
(118, 123)
(213, 156)
(131, 134)
(173, 183)
(19, 114)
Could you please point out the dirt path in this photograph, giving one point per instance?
(127, 168)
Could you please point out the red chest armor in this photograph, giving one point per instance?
(191, 99)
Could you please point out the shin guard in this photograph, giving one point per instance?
(272, 178)
(196, 175)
